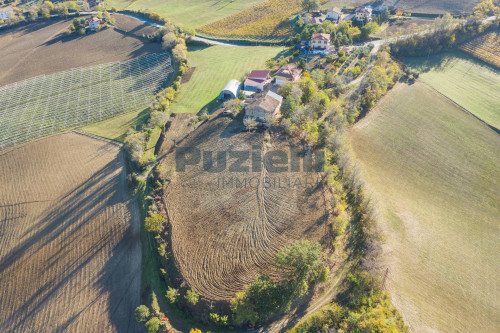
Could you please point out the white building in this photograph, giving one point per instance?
(230, 91)
(257, 80)
(5, 13)
(363, 13)
(94, 23)
(320, 41)
(334, 14)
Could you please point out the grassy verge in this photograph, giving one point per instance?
(433, 170)
(214, 67)
(470, 83)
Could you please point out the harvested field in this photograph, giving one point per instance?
(455, 7)
(223, 236)
(433, 171)
(70, 253)
(43, 48)
(486, 48)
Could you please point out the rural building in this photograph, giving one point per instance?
(288, 73)
(231, 90)
(363, 13)
(94, 23)
(334, 14)
(320, 41)
(265, 108)
(257, 80)
(313, 20)
(5, 13)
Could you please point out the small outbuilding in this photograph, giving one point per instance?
(94, 23)
(230, 91)
(334, 14)
(257, 80)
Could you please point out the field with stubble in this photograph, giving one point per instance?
(224, 236)
(70, 255)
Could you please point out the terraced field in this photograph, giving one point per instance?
(49, 104)
(486, 48)
(433, 171)
(70, 253)
(224, 235)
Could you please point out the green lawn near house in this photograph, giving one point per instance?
(213, 67)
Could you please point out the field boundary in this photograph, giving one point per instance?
(494, 128)
(97, 137)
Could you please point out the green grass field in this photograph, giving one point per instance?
(434, 173)
(187, 13)
(470, 83)
(215, 66)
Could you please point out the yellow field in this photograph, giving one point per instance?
(266, 19)
(486, 48)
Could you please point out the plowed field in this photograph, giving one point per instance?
(223, 236)
(70, 257)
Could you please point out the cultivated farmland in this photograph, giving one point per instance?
(465, 80)
(434, 172)
(455, 7)
(70, 253)
(223, 236)
(269, 18)
(486, 48)
(213, 67)
(53, 103)
(43, 48)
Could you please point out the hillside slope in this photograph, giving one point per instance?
(434, 172)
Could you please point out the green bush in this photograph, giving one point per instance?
(141, 313)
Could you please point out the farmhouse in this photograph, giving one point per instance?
(334, 14)
(94, 23)
(231, 90)
(320, 41)
(257, 80)
(265, 108)
(363, 13)
(5, 13)
(287, 73)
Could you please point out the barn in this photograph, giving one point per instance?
(231, 90)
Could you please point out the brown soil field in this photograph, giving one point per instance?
(176, 130)
(70, 253)
(43, 48)
(435, 6)
(223, 236)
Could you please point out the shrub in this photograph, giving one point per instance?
(153, 325)
(141, 313)
(192, 297)
(154, 223)
(172, 295)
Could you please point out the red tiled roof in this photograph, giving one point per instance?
(262, 75)
(93, 19)
(319, 36)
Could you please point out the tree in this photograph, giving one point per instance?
(158, 119)
(300, 261)
(153, 325)
(195, 330)
(180, 53)
(250, 123)
(310, 5)
(169, 40)
(154, 223)
(233, 106)
(368, 29)
(141, 313)
(192, 297)
(243, 310)
(154, 304)
(289, 106)
(49, 5)
(172, 294)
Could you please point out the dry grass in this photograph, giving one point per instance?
(70, 257)
(223, 237)
(455, 7)
(43, 48)
(434, 172)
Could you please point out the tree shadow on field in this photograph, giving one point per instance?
(88, 223)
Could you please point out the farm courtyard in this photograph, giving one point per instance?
(70, 252)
